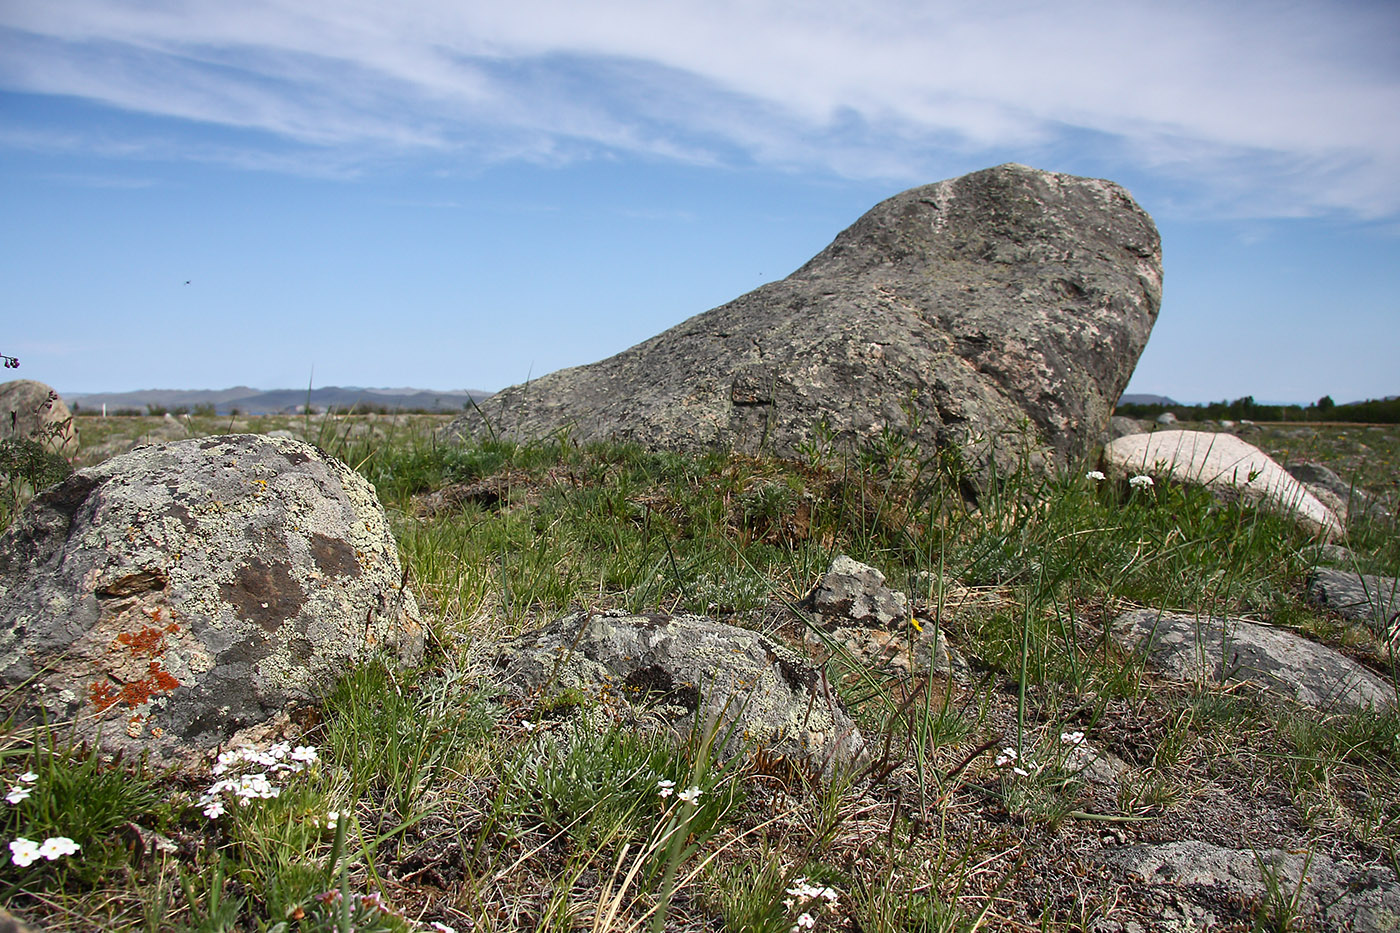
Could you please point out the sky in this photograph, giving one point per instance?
(455, 194)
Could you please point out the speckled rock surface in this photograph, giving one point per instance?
(852, 593)
(1214, 651)
(958, 314)
(769, 696)
(1191, 878)
(856, 613)
(1230, 468)
(32, 410)
(176, 594)
(1361, 597)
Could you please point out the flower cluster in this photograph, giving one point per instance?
(808, 898)
(24, 852)
(1095, 475)
(666, 788)
(1010, 758)
(21, 791)
(1072, 738)
(1141, 481)
(253, 785)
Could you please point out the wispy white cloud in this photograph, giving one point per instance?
(1255, 107)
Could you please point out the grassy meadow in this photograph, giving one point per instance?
(423, 799)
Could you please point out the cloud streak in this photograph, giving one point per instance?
(1254, 108)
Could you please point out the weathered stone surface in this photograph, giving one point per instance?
(1367, 598)
(1197, 875)
(768, 696)
(1344, 499)
(176, 594)
(852, 593)
(857, 613)
(954, 313)
(1230, 468)
(1166, 417)
(31, 410)
(1215, 651)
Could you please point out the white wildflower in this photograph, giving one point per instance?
(665, 787)
(1095, 475)
(306, 754)
(23, 852)
(806, 921)
(28, 777)
(18, 794)
(57, 847)
(1141, 481)
(689, 795)
(1072, 738)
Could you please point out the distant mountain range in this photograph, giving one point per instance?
(251, 401)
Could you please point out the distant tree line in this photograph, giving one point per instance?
(1373, 411)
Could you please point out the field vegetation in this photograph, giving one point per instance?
(424, 799)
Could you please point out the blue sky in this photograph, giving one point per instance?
(457, 194)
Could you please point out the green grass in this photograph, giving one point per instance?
(481, 811)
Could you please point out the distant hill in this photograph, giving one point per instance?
(257, 402)
(1138, 399)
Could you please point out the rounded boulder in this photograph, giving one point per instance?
(172, 596)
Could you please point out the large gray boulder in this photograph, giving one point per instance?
(760, 693)
(30, 410)
(1233, 470)
(957, 313)
(1212, 650)
(176, 594)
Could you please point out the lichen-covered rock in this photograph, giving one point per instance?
(761, 694)
(1216, 651)
(852, 593)
(179, 593)
(857, 614)
(1230, 468)
(967, 314)
(30, 410)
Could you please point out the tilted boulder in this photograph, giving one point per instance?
(1232, 469)
(32, 411)
(959, 314)
(760, 693)
(176, 594)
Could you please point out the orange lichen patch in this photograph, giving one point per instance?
(157, 680)
(149, 642)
